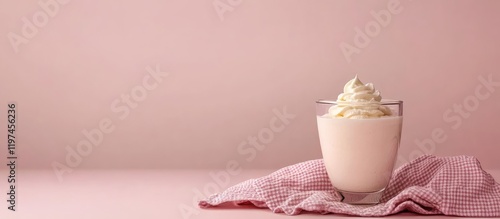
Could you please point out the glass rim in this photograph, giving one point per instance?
(382, 102)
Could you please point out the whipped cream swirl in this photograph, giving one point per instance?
(359, 101)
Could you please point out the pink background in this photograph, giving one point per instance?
(226, 77)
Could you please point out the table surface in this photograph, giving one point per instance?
(132, 194)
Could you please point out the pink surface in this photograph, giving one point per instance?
(166, 85)
(133, 194)
(226, 77)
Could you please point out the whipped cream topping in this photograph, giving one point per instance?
(359, 101)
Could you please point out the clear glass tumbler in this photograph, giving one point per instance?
(360, 154)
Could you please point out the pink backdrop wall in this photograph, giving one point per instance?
(229, 72)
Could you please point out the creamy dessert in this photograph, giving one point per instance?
(359, 136)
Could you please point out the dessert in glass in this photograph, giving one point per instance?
(359, 135)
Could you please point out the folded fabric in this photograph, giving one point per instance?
(455, 186)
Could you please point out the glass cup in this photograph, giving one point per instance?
(360, 154)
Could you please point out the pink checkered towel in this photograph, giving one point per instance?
(428, 185)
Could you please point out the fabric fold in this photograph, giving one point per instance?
(455, 186)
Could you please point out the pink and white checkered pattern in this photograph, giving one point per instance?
(428, 185)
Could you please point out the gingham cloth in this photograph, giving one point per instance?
(427, 185)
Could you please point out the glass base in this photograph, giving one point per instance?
(361, 198)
